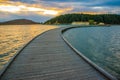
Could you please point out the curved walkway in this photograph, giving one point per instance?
(48, 57)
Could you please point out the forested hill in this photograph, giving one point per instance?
(18, 22)
(69, 18)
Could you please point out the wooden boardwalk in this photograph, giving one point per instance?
(49, 58)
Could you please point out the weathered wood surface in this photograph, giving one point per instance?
(49, 58)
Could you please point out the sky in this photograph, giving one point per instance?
(42, 10)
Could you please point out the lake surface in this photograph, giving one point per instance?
(100, 44)
(13, 37)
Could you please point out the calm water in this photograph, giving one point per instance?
(100, 44)
(13, 37)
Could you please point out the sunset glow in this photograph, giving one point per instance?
(9, 8)
(45, 9)
(50, 12)
(23, 8)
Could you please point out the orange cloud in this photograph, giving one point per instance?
(20, 8)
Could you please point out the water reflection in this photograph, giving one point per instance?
(13, 37)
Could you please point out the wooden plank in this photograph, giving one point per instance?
(49, 58)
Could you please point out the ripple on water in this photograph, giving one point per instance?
(13, 37)
(100, 44)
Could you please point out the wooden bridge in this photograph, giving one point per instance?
(48, 57)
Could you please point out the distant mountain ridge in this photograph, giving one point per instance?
(18, 22)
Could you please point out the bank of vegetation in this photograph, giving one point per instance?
(70, 18)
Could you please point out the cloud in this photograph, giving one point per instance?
(31, 16)
(90, 2)
(13, 10)
(20, 8)
(46, 9)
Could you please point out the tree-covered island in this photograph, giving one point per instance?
(91, 19)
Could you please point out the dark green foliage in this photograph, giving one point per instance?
(91, 22)
(69, 18)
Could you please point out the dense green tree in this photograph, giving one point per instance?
(69, 18)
